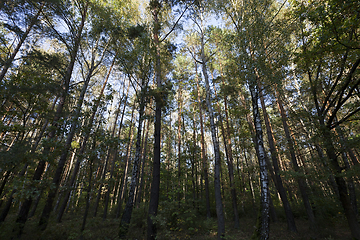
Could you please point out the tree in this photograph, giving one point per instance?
(203, 61)
(22, 216)
(141, 58)
(329, 59)
(156, 8)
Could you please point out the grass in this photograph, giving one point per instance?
(201, 229)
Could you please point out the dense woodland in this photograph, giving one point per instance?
(179, 119)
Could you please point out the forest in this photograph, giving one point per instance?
(179, 119)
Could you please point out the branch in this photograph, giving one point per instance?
(193, 56)
(177, 21)
(313, 88)
(335, 84)
(343, 119)
(341, 100)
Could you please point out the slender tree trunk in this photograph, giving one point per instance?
(250, 183)
(179, 194)
(193, 162)
(144, 157)
(44, 219)
(10, 60)
(278, 181)
(300, 180)
(123, 185)
(155, 185)
(24, 210)
(203, 153)
(230, 164)
(351, 185)
(263, 230)
(126, 217)
(340, 181)
(88, 194)
(250, 123)
(111, 150)
(217, 186)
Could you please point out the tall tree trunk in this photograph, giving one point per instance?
(10, 60)
(263, 230)
(83, 147)
(203, 153)
(278, 181)
(88, 194)
(111, 150)
(340, 181)
(230, 164)
(193, 161)
(123, 184)
(217, 186)
(144, 157)
(126, 217)
(345, 152)
(24, 210)
(155, 185)
(59, 170)
(180, 186)
(300, 180)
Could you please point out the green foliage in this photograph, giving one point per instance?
(174, 219)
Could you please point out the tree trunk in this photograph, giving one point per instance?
(111, 150)
(155, 185)
(263, 231)
(180, 186)
(278, 181)
(341, 183)
(126, 217)
(59, 170)
(9, 61)
(144, 157)
(203, 153)
(230, 164)
(87, 206)
(123, 184)
(300, 180)
(345, 151)
(24, 210)
(217, 186)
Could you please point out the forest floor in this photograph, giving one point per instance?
(97, 228)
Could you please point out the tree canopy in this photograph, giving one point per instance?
(179, 119)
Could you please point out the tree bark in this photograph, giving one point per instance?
(278, 181)
(180, 187)
(263, 231)
(126, 217)
(203, 153)
(144, 157)
(123, 184)
(9, 61)
(217, 186)
(155, 185)
(230, 163)
(24, 210)
(300, 180)
(83, 148)
(59, 170)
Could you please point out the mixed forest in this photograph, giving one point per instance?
(179, 119)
